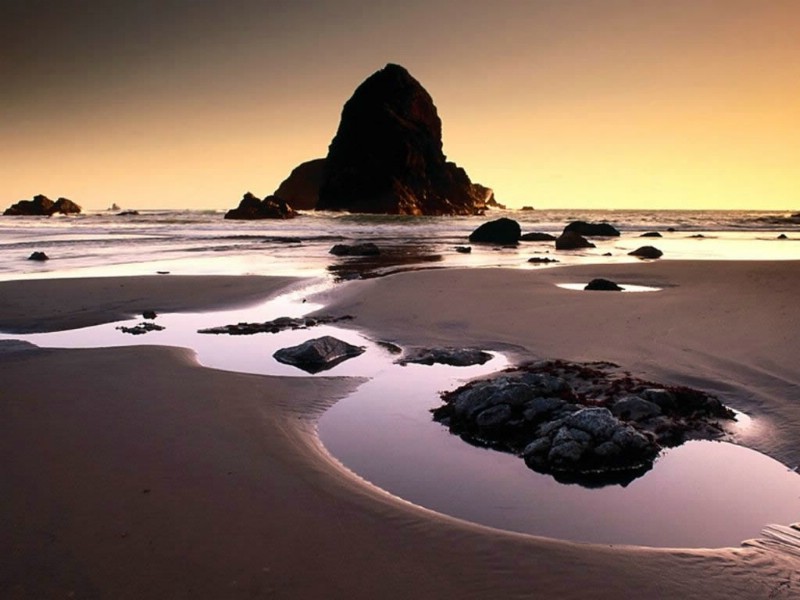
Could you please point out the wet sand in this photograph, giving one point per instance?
(135, 473)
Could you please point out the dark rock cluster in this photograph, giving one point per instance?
(585, 423)
(43, 206)
(141, 328)
(276, 325)
(251, 207)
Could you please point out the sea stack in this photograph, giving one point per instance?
(386, 157)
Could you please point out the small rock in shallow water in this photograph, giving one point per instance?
(319, 354)
(40, 256)
(603, 285)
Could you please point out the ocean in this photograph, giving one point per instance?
(193, 242)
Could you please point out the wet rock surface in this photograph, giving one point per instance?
(592, 229)
(499, 231)
(362, 249)
(649, 252)
(319, 354)
(535, 236)
(456, 357)
(276, 325)
(141, 328)
(570, 240)
(603, 285)
(586, 423)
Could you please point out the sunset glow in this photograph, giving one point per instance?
(569, 104)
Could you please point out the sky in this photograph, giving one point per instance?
(653, 104)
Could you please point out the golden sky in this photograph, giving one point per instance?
(553, 103)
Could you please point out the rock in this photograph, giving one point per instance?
(603, 285)
(653, 234)
(463, 249)
(276, 325)
(597, 422)
(318, 354)
(664, 399)
(40, 256)
(542, 260)
(494, 416)
(301, 188)
(537, 237)
(555, 415)
(65, 206)
(456, 357)
(499, 231)
(387, 154)
(570, 240)
(647, 252)
(128, 213)
(362, 249)
(42, 206)
(270, 207)
(592, 229)
(783, 236)
(542, 406)
(526, 208)
(141, 328)
(149, 314)
(634, 408)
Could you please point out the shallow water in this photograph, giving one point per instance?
(702, 494)
(203, 243)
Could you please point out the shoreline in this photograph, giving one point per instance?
(243, 500)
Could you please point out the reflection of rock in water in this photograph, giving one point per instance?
(585, 423)
(391, 259)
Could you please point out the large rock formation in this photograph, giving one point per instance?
(387, 157)
(42, 206)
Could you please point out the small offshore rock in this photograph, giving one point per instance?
(603, 285)
(651, 234)
(463, 249)
(40, 256)
(149, 314)
(648, 252)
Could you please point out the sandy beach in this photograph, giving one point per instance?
(135, 473)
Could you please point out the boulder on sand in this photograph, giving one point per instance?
(647, 252)
(499, 231)
(318, 354)
(570, 240)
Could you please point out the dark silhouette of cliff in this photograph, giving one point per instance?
(387, 157)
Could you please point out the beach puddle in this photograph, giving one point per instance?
(702, 494)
